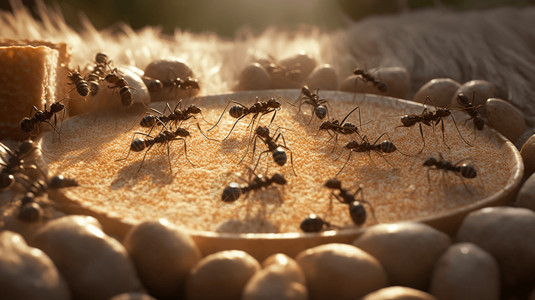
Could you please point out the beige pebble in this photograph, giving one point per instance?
(295, 71)
(406, 250)
(132, 296)
(274, 282)
(397, 79)
(323, 77)
(355, 84)
(465, 271)
(292, 269)
(507, 234)
(221, 275)
(439, 90)
(526, 195)
(94, 265)
(254, 77)
(478, 91)
(27, 272)
(163, 256)
(340, 271)
(398, 293)
(528, 156)
(505, 118)
(169, 68)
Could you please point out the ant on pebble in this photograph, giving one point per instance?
(98, 73)
(314, 223)
(367, 77)
(277, 150)
(469, 107)
(258, 109)
(120, 83)
(336, 127)
(460, 168)
(234, 190)
(319, 105)
(165, 137)
(364, 145)
(357, 211)
(432, 119)
(80, 84)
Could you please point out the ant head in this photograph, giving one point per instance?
(236, 111)
(262, 131)
(101, 58)
(56, 106)
(278, 179)
(27, 124)
(279, 156)
(430, 162)
(26, 147)
(6, 181)
(321, 112)
(182, 132)
(387, 147)
(112, 78)
(333, 183)
(231, 193)
(463, 100)
(468, 171)
(194, 109)
(313, 223)
(137, 145)
(273, 103)
(357, 211)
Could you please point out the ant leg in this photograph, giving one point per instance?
(210, 139)
(143, 160)
(220, 116)
(247, 150)
(169, 158)
(348, 158)
(131, 140)
(423, 140)
(258, 161)
(335, 141)
(185, 150)
(234, 126)
(455, 123)
(444, 133)
(341, 123)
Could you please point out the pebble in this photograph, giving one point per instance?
(507, 233)
(221, 275)
(526, 195)
(528, 156)
(505, 118)
(439, 90)
(95, 265)
(169, 68)
(398, 293)
(397, 79)
(302, 63)
(254, 77)
(323, 78)
(292, 269)
(133, 296)
(275, 281)
(466, 272)
(407, 251)
(478, 91)
(27, 272)
(163, 256)
(340, 271)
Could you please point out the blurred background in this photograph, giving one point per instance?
(226, 17)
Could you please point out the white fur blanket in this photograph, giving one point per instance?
(496, 45)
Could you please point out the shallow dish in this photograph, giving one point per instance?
(122, 188)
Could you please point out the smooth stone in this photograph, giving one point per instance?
(528, 156)
(505, 118)
(254, 77)
(439, 90)
(398, 293)
(322, 78)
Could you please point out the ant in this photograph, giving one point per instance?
(385, 146)
(460, 168)
(277, 150)
(81, 85)
(313, 99)
(98, 73)
(164, 137)
(153, 85)
(120, 83)
(292, 72)
(314, 223)
(357, 211)
(234, 190)
(342, 127)
(42, 116)
(430, 118)
(15, 163)
(471, 110)
(367, 77)
(259, 109)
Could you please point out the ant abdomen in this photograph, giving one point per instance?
(278, 179)
(279, 156)
(138, 145)
(231, 192)
(357, 211)
(468, 171)
(236, 111)
(387, 147)
(313, 223)
(320, 111)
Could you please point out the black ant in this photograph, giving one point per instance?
(342, 127)
(234, 190)
(276, 150)
(357, 211)
(367, 77)
(259, 109)
(153, 85)
(430, 118)
(319, 106)
(460, 168)
(291, 72)
(82, 87)
(314, 223)
(98, 73)
(471, 110)
(42, 116)
(120, 83)
(15, 163)
(164, 137)
(385, 146)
